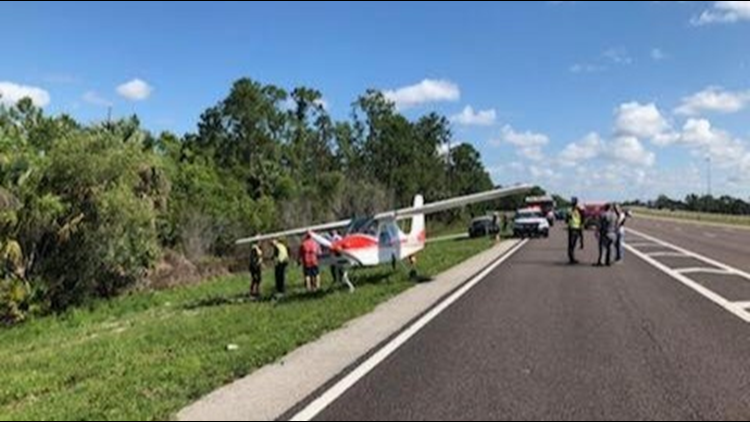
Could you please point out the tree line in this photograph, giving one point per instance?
(699, 203)
(87, 211)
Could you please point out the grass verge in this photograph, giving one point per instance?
(146, 356)
(725, 219)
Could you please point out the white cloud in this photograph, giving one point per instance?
(514, 167)
(528, 144)
(643, 121)
(744, 172)
(469, 117)
(724, 12)
(629, 150)
(586, 149)
(657, 54)
(135, 90)
(543, 173)
(713, 99)
(444, 149)
(523, 139)
(612, 57)
(94, 98)
(618, 56)
(425, 92)
(625, 150)
(706, 140)
(700, 132)
(11, 93)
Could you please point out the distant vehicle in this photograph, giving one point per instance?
(484, 226)
(591, 213)
(530, 222)
(562, 215)
(546, 204)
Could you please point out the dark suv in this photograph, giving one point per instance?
(483, 226)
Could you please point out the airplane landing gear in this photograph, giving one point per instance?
(348, 282)
(413, 274)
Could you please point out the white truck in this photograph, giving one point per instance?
(530, 222)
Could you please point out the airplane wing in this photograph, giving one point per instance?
(398, 214)
(454, 203)
(295, 232)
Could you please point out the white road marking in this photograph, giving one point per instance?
(643, 244)
(341, 387)
(728, 305)
(667, 255)
(697, 270)
(710, 235)
(742, 305)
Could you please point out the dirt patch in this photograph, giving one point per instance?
(171, 271)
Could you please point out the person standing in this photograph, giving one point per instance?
(308, 256)
(575, 230)
(256, 270)
(607, 232)
(281, 259)
(622, 218)
(337, 272)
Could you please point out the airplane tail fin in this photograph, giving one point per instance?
(418, 231)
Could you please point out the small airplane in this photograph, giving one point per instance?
(378, 240)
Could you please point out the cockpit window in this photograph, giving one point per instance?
(366, 226)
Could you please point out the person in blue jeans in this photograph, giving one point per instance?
(622, 218)
(607, 231)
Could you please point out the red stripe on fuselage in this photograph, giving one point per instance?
(355, 242)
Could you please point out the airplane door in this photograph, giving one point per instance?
(389, 242)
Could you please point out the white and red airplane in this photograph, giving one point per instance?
(379, 240)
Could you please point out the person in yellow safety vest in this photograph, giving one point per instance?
(256, 271)
(575, 230)
(281, 259)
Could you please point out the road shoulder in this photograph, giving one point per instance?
(273, 390)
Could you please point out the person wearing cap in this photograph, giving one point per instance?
(256, 270)
(281, 261)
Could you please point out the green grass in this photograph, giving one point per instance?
(439, 229)
(735, 220)
(148, 355)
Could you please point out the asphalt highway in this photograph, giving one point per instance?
(538, 339)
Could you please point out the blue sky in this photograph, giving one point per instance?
(598, 99)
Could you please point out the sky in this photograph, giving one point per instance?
(602, 100)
